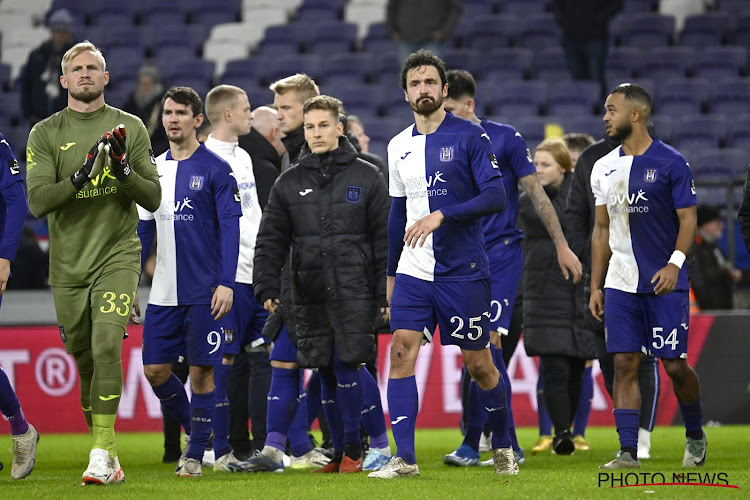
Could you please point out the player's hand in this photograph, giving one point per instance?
(221, 302)
(118, 153)
(666, 279)
(92, 166)
(390, 282)
(569, 263)
(270, 305)
(4, 274)
(596, 304)
(386, 311)
(419, 232)
(135, 312)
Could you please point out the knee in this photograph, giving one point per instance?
(484, 373)
(156, 374)
(402, 356)
(675, 368)
(626, 365)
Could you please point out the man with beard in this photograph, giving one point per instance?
(198, 230)
(645, 223)
(94, 249)
(443, 179)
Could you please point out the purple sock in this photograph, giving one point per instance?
(174, 401)
(349, 398)
(330, 408)
(584, 404)
(10, 407)
(314, 398)
(403, 405)
(626, 421)
(692, 415)
(500, 364)
(276, 440)
(545, 422)
(221, 411)
(494, 402)
(201, 410)
(298, 439)
(373, 419)
(476, 418)
(282, 401)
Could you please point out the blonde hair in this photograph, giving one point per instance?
(220, 98)
(556, 147)
(305, 86)
(83, 47)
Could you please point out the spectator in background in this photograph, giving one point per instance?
(41, 93)
(368, 157)
(576, 143)
(549, 300)
(421, 24)
(145, 103)
(713, 276)
(585, 28)
(355, 128)
(264, 145)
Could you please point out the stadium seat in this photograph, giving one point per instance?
(736, 160)
(550, 65)
(698, 132)
(643, 30)
(705, 30)
(223, 51)
(109, 18)
(112, 37)
(524, 8)
(385, 65)
(217, 15)
(122, 62)
(623, 63)
(17, 136)
(525, 98)
(282, 67)
(490, 33)
(631, 6)
(663, 127)
(573, 98)
(738, 135)
(4, 77)
(662, 63)
(538, 32)
(740, 35)
(715, 63)
(308, 13)
(263, 16)
(501, 65)
(357, 66)
(681, 96)
(468, 59)
(328, 38)
(532, 128)
(363, 15)
(163, 15)
(730, 97)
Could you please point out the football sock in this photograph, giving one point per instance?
(584, 404)
(85, 364)
(313, 399)
(174, 401)
(494, 401)
(282, 400)
(476, 418)
(221, 411)
(500, 364)
(106, 387)
(373, 419)
(201, 409)
(10, 407)
(328, 395)
(692, 415)
(349, 399)
(298, 438)
(626, 421)
(403, 406)
(545, 421)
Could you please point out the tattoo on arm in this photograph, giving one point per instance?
(544, 208)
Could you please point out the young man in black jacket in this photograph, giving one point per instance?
(332, 210)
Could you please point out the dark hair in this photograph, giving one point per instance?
(577, 140)
(461, 84)
(323, 102)
(185, 96)
(422, 58)
(636, 94)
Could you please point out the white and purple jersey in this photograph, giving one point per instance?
(642, 193)
(514, 159)
(198, 195)
(445, 168)
(242, 171)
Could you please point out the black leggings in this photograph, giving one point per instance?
(563, 377)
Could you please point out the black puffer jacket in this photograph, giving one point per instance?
(332, 210)
(549, 301)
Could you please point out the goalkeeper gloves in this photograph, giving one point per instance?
(92, 167)
(118, 153)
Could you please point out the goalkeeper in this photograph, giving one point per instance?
(87, 167)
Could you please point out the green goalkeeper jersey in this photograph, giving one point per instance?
(93, 230)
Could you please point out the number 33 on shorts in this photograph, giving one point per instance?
(117, 304)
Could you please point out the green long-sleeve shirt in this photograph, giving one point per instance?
(92, 230)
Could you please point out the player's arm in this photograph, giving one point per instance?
(378, 211)
(666, 277)
(566, 259)
(228, 213)
(396, 232)
(577, 218)
(11, 186)
(600, 255)
(271, 248)
(133, 165)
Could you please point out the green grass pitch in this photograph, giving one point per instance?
(61, 460)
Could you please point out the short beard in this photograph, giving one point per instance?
(427, 107)
(622, 133)
(86, 96)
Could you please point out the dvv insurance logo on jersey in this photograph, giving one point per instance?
(647, 480)
(629, 202)
(422, 187)
(177, 210)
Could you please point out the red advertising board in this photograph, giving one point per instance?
(46, 381)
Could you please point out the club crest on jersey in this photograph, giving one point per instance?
(196, 182)
(228, 336)
(446, 153)
(13, 166)
(353, 194)
(151, 156)
(650, 175)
